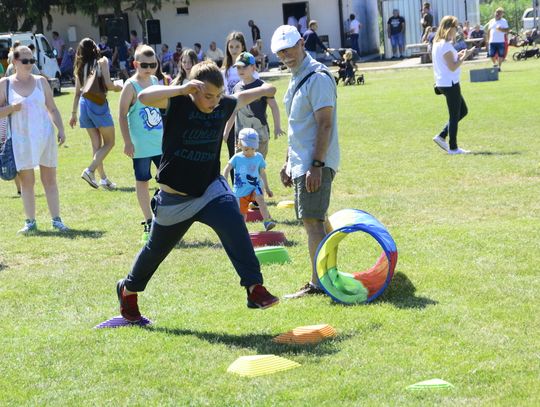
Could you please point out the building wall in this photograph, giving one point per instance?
(367, 13)
(212, 20)
(410, 10)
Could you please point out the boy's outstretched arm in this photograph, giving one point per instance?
(247, 96)
(276, 117)
(159, 95)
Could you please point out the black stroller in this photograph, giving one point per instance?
(347, 69)
(530, 49)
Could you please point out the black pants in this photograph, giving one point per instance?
(457, 110)
(231, 147)
(224, 217)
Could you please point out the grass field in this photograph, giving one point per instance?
(462, 307)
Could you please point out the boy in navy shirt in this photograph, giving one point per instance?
(191, 187)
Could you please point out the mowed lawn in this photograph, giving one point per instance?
(463, 305)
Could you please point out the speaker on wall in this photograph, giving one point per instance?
(153, 31)
(116, 31)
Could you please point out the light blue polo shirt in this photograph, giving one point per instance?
(317, 92)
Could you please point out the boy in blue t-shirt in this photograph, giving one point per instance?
(142, 129)
(250, 175)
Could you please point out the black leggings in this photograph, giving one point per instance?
(224, 217)
(231, 147)
(457, 110)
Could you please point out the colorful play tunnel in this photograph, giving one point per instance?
(360, 287)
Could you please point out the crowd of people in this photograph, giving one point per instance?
(176, 110)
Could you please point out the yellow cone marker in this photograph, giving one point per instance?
(285, 204)
(310, 334)
(259, 365)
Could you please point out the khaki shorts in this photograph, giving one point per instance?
(313, 205)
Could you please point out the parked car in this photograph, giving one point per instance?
(45, 55)
(528, 19)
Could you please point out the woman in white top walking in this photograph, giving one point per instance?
(33, 112)
(447, 69)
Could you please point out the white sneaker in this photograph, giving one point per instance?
(458, 151)
(107, 184)
(441, 142)
(88, 176)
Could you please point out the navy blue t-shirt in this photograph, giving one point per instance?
(396, 24)
(192, 144)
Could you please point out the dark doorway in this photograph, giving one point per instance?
(296, 10)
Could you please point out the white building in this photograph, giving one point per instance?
(464, 10)
(204, 21)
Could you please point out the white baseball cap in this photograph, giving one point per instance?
(285, 36)
(248, 137)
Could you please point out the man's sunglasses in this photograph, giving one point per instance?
(146, 65)
(26, 61)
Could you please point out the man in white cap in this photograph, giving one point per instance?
(313, 154)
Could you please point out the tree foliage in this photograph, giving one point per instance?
(22, 15)
(513, 10)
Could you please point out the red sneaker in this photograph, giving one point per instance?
(128, 304)
(261, 298)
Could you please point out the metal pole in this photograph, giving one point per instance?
(466, 14)
(535, 13)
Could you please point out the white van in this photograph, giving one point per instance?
(528, 19)
(45, 54)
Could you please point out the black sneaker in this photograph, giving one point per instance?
(308, 289)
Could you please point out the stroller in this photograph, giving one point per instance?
(530, 48)
(66, 67)
(347, 69)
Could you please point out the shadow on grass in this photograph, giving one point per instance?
(400, 293)
(290, 243)
(125, 189)
(3, 267)
(496, 153)
(290, 222)
(198, 244)
(262, 343)
(70, 234)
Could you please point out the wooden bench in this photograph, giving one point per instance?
(420, 50)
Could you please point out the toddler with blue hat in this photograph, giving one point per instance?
(250, 175)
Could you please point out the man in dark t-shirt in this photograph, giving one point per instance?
(191, 187)
(396, 33)
(255, 32)
(427, 17)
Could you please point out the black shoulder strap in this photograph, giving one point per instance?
(305, 78)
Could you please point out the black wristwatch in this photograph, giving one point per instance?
(317, 163)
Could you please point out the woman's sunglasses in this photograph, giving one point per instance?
(26, 61)
(146, 65)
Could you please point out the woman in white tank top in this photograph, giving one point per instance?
(31, 107)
